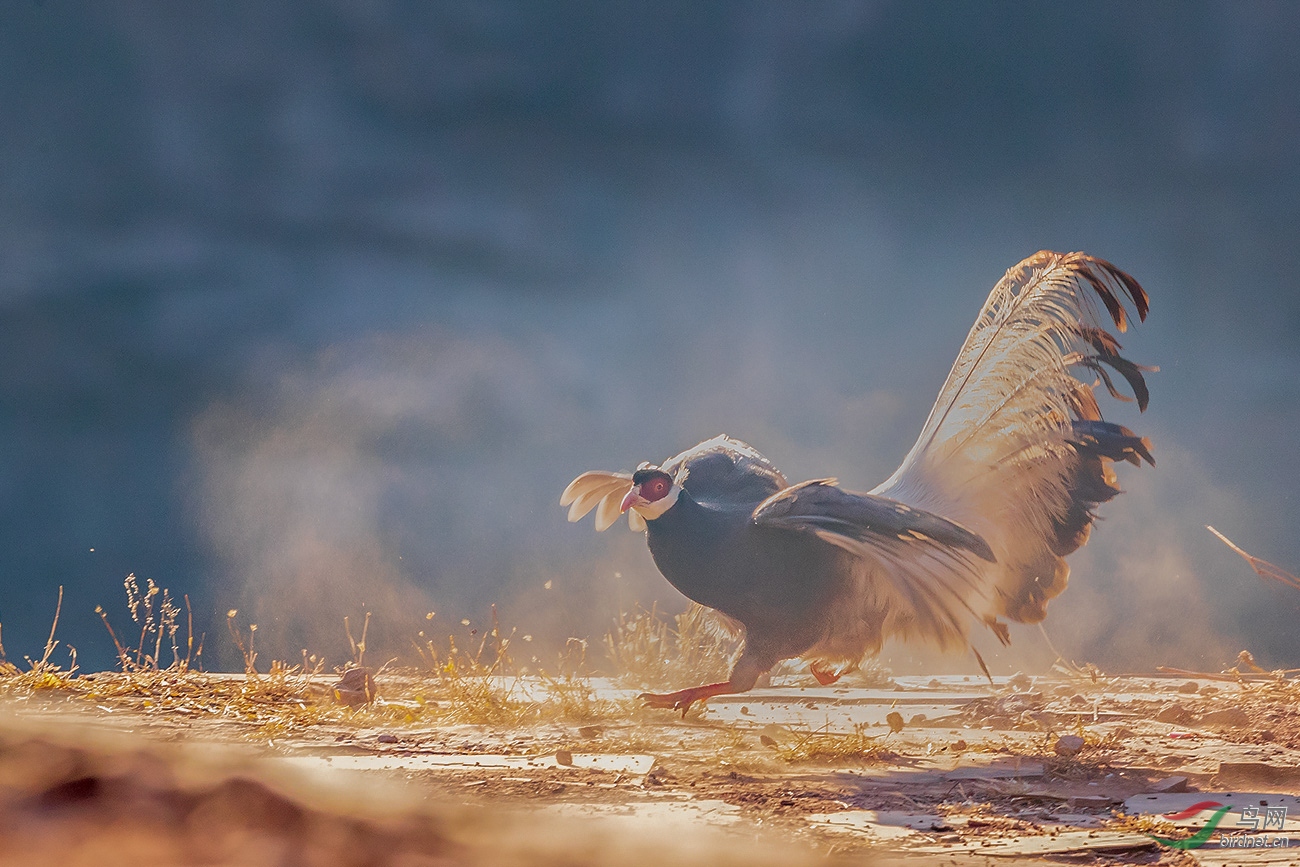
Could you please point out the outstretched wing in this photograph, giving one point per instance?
(907, 565)
(861, 521)
(1014, 448)
(603, 489)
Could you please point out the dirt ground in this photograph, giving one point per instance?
(207, 769)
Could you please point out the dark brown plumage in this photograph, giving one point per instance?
(973, 527)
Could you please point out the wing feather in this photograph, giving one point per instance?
(820, 506)
(909, 570)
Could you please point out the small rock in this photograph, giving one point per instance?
(895, 720)
(1209, 690)
(744, 710)
(564, 757)
(1091, 801)
(767, 740)
(1258, 776)
(1190, 687)
(356, 687)
(1173, 713)
(958, 745)
(1267, 735)
(1233, 717)
(1020, 681)
(950, 838)
(1068, 745)
(1170, 785)
(590, 732)
(388, 739)
(917, 719)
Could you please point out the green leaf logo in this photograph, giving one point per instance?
(1201, 837)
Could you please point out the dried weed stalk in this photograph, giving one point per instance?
(822, 745)
(649, 653)
(158, 616)
(41, 673)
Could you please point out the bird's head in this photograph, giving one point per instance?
(643, 496)
(653, 493)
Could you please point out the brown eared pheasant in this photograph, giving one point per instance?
(973, 528)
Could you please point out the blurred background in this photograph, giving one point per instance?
(310, 309)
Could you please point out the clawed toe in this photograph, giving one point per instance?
(671, 701)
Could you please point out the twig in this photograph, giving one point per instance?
(189, 632)
(1232, 676)
(50, 643)
(250, 656)
(358, 647)
(123, 658)
(1263, 568)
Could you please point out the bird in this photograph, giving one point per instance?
(972, 529)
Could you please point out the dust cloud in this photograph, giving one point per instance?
(313, 311)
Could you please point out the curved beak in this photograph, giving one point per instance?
(631, 499)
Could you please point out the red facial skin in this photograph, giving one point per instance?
(653, 489)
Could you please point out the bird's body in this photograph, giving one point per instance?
(774, 585)
(973, 527)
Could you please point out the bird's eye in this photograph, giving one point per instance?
(655, 489)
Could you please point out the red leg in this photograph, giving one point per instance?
(743, 674)
(825, 676)
(684, 698)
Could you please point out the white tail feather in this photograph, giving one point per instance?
(995, 453)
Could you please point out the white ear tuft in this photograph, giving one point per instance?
(608, 512)
(596, 487)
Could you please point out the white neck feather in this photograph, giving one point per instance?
(650, 511)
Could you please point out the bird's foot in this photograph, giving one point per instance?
(684, 698)
(825, 676)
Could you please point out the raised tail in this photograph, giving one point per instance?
(1015, 448)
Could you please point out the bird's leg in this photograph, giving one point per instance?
(684, 698)
(743, 676)
(825, 676)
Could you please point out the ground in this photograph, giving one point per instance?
(1075, 768)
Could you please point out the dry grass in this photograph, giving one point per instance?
(41, 673)
(158, 617)
(470, 678)
(476, 681)
(648, 652)
(823, 746)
